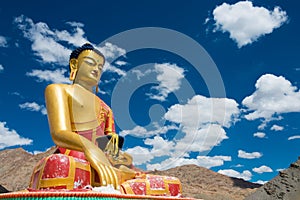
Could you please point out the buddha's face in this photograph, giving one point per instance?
(89, 65)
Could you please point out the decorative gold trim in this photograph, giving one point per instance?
(72, 169)
(127, 188)
(42, 172)
(94, 135)
(53, 182)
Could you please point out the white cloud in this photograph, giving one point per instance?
(45, 42)
(1, 68)
(262, 169)
(56, 76)
(204, 110)
(274, 95)
(203, 161)
(169, 78)
(261, 182)
(76, 38)
(10, 137)
(139, 74)
(238, 165)
(246, 174)
(140, 155)
(253, 155)
(205, 130)
(294, 137)
(259, 135)
(281, 169)
(3, 41)
(245, 22)
(142, 132)
(112, 52)
(38, 151)
(276, 128)
(120, 62)
(203, 139)
(33, 106)
(160, 147)
(212, 161)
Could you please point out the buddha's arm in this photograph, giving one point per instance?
(60, 126)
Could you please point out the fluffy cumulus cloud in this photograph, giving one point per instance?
(245, 22)
(259, 135)
(45, 42)
(204, 161)
(246, 155)
(56, 76)
(140, 155)
(276, 128)
(246, 175)
(169, 78)
(3, 41)
(262, 169)
(1, 68)
(274, 95)
(50, 46)
(160, 146)
(204, 110)
(203, 139)
(111, 52)
(206, 129)
(34, 107)
(9, 137)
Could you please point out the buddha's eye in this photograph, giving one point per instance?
(100, 67)
(89, 62)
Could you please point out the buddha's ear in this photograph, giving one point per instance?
(74, 67)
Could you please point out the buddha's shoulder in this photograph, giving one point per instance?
(59, 87)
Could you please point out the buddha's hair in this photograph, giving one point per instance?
(87, 46)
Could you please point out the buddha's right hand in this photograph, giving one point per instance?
(108, 174)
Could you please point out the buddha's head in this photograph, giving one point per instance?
(86, 64)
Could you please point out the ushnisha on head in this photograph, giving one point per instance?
(73, 61)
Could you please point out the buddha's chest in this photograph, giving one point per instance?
(86, 111)
(84, 107)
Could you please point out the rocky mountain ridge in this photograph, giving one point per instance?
(285, 186)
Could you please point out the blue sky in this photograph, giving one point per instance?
(211, 83)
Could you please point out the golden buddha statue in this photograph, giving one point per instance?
(78, 119)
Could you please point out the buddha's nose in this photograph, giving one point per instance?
(95, 72)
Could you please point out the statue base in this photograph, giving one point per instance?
(78, 195)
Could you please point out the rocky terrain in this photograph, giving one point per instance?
(16, 166)
(285, 186)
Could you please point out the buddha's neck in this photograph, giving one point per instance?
(84, 85)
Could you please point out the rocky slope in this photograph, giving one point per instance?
(285, 186)
(16, 166)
